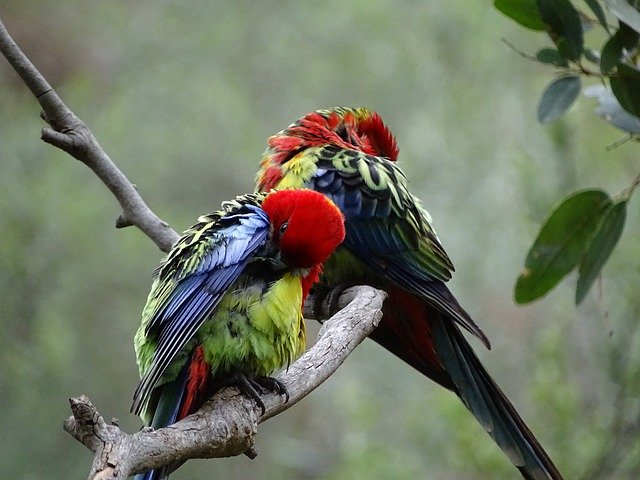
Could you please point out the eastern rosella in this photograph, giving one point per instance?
(349, 155)
(226, 303)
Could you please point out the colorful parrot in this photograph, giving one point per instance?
(226, 303)
(349, 154)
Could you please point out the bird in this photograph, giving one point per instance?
(350, 155)
(226, 303)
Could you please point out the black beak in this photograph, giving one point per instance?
(277, 263)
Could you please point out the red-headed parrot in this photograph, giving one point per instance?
(349, 155)
(226, 303)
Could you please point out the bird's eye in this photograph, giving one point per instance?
(283, 228)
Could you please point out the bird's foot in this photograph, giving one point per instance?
(326, 300)
(253, 387)
(270, 384)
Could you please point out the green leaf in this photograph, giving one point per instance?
(561, 243)
(625, 84)
(557, 97)
(629, 36)
(565, 26)
(624, 38)
(625, 13)
(611, 53)
(525, 12)
(600, 248)
(551, 56)
(597, 10)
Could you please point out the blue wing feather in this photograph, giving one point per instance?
(223, 247)
(387, 229)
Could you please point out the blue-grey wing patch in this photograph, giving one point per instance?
(198, 276)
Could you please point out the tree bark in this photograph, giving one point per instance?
(227, 424)
(70, 134)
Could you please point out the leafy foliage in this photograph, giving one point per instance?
(581, 231)
(558, 96)
(600, 246)
(560, 246)
(525, 12)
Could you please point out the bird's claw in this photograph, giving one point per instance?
(326, 300)
(270, 384)
(253, 387)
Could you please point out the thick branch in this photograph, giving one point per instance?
(70, 134)
(227, 424)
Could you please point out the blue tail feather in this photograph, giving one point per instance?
(166, 413)
(489, 404)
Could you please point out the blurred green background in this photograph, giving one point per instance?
(183, 96)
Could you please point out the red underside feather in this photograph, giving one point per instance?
(381, 140)
(406, 331)
(196, 383)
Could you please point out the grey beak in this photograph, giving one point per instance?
(277, 263)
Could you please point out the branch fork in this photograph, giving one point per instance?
(71, 135)
(227, 424)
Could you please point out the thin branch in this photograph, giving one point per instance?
(627, 192)
(70, 134)
(227, 424)
(564, 69)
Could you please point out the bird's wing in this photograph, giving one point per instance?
(387, 228)
(190, 283)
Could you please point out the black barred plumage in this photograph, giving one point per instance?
(203, 247)
(226, 303)
(391, 222)
(349, 155)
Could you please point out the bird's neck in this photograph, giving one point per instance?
(307, 280)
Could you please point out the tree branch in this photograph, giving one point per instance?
(70, 134)
(226, 425)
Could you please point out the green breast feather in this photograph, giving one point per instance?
(257, 328)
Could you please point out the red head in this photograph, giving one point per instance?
(352, 128)
(307, 226)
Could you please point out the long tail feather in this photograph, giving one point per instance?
(434, 345)
(166, 413)
(489, 404)
(176, 400)
(406, 331)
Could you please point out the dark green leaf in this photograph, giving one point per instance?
(611, 53)
(624, 38)
(629, 36)
(611, 111)
(561, 243)
(525, 12)
(625, 84)
(600, 248)
(565, 26)
(564, 47)
(551, 56)
(625, 13)
(597, 10)
(557, 97)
